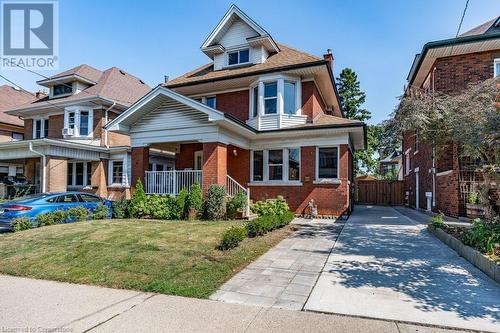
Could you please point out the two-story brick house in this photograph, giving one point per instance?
(260, 116)
(12, 127)
(440, 182)
(65, 146)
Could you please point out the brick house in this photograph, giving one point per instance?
(261, 117)
(12, 127)
(441, 182)
(64, 144)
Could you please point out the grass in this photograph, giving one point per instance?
(169, 257)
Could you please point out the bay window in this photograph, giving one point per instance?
(275, 165)
(78, 121)
(255, 106)
(289, 99)
(270, 98)
(79, 174)
(327, 159)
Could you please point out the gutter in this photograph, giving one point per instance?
(44, 162)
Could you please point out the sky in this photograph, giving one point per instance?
(378, 39)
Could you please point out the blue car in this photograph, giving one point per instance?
(33, 205)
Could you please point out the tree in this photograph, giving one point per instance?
(471, 118)
(351, 96)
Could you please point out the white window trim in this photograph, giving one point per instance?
(318, 180)
(77, 111)
(495, 62)
(280, 105)
(51, 93)
(407, 162)
(42, 127)
(73, 179)
(125, 174)
(238, 50)
(198, 153)
(285, 166)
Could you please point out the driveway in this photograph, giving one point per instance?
(385, 265)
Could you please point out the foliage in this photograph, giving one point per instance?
(51, 218)
(215, 202)
(181, 201)
(120, 209)
(473, 198)
(78, 213)
(137, 205)
(266, 223)
(156, 207)
(21, 223)
(101, 212)
(351, 96)
(470, 118)
(482, 236)
(195, 198)
(437, 221)
(236, 204)
(270, 207)
(391, 175)
(232, 237)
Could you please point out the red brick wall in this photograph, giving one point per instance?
(28, 129)
(312, 104)
(185, 158)
(234, 103)
(214, 164)
(238, 166)
(56, 124)
(140, 163)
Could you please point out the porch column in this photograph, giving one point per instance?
(140, 164)
(214, 164)
(98, 178)
(56, 174)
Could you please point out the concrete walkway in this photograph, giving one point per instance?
(386, 265)
(285, 275)
(28, 305)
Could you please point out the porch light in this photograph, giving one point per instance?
(235, 152)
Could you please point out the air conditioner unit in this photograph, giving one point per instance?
(68, 131)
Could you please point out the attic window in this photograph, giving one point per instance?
(62, 89)
(238, 57)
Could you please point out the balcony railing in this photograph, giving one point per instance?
(171, 182)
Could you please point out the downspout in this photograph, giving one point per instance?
(433, 151)
(106, 122)
(44, 162)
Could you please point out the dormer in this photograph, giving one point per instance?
(67, 85)
(238, 41)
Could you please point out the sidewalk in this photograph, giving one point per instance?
(46, 305)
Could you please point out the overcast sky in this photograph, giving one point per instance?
(150, 39)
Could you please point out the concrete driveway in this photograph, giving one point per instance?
(387, 266)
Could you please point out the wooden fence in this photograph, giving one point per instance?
(379, 192)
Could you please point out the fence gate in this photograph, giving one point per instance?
(379, 192)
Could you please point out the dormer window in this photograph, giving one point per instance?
(62, 89)
(238, 57)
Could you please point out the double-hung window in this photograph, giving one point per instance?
(327, 163)
(276, 165)
(289, 100)
(238, 57)
(270, 98)
(79, 174)
(40, 128)
(78, 121)
(116, 170)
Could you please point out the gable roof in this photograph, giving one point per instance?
(225, 23)
(11, 97)
(287, 57)
(113, 84)
(490, 27)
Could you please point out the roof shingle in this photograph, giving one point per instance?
(9, 99)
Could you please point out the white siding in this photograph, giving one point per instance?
(237, 35)
(219, 61)
(259, 54)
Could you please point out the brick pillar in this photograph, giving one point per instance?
(56, 174)
(98, 179)
(214, 164)
(29, 168)
(140, 163)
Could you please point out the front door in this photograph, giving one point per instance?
(198, 160)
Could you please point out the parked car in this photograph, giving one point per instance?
(33, 205)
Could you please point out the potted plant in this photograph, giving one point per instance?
(473, 206)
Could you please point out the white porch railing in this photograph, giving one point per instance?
(171, 182)
(233, 187)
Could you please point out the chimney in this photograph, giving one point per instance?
(329, 56)
(39, 94)
(165, 78)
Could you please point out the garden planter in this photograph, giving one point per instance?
(474, 211)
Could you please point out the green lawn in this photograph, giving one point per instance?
(170, 257)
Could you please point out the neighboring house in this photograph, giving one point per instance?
(441, 182)
(12, 127)
(65, 145)
(392, 165)
(260, 116)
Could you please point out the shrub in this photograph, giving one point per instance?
(156, 207)
(56, 217)
(137, 205)
(215, 202)
(21, 223)
(195, 198)
(473, 198)
(266, 223)
(78, 213)
(232, 237)
(181, 201)
(482, 236)
(437, 221)
(101, 212)
(277, 206)
(236, 204)
(120, 209)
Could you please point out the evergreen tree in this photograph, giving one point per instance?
(351, 96)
